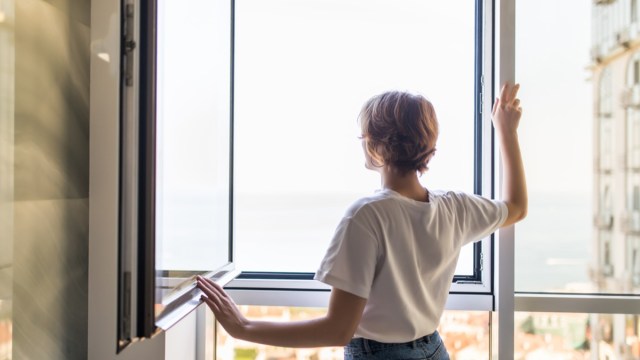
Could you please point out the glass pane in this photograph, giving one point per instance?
(193, 139)
(303, 69)
(581, 99)
(576, 336)
(465, 334)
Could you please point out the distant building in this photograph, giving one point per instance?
(615, 65)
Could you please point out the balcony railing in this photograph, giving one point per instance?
(630, 97)
(630, 222)
(603, 2)
(603, 221)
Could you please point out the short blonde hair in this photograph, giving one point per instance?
(400, 130)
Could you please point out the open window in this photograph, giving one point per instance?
(240, 146)
(176, 179)
(303, 69)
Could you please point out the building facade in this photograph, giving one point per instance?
(615, 68)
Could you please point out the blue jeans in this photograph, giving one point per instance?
(428, 347)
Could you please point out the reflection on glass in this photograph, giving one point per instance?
(7, 125)
(465, 333)
(6, 330)
(576, 336)
(303, 70)
(193, 143)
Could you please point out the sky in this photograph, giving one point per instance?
(303, 69)
(319, 61)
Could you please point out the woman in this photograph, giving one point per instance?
(393, 256)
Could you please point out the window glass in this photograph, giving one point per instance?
(576, 336)
(574, 139)
(303, 69)
(193, 141)
(193, 134)
(465, 334)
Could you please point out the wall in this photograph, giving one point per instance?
(46, 149)
(6, 173)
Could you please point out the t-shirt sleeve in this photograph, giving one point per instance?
(350, 261)
(480, 216)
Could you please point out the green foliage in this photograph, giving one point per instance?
(245, 354)
(527, 326)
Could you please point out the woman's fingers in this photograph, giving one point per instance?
(509, 93)
(209, 285)
(514, 91)
(211, 304)
(203, 285)
(223, 307)
(215, 294)
(505, 93)
(217, 290)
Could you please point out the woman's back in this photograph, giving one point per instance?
(401, 254)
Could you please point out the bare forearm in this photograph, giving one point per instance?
(300, 334)
(514, 191)
(335, 328)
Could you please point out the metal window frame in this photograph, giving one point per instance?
(472, 292)
(137, 277)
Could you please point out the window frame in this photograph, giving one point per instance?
(476, 289)
(106, 187)
(138, 280)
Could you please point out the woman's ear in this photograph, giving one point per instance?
(372, 161)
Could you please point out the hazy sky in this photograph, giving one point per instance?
(304, 68)
(551, 63)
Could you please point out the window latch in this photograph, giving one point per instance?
(129, 44)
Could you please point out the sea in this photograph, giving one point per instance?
(291, 232)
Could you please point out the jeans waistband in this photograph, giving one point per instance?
(369, 345)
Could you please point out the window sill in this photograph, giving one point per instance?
(299, 292)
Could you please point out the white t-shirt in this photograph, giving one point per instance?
(401, 255)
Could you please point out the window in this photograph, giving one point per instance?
(554, 243)
(575, 204)
(303, 70)
(633, 141)
(577, 192)
(216, 141)
(175, 196)
(606, 265)
(193, 144)
(633, 259)
(193, 136)
(605, 109)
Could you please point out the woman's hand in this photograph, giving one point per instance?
(334, 329)
(506, 118)
(223, 307)
(506, 111)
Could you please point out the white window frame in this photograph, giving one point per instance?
(463, 295)
(504, 301)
